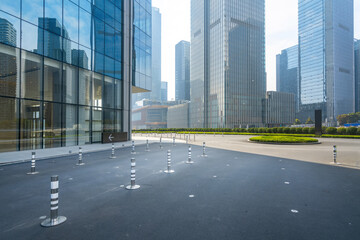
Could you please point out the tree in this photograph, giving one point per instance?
(297, 122)
(309, 121)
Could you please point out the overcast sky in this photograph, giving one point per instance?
(281, 33)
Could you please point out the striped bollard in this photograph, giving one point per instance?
(133, 148)
(174, 141)
(189, 161)
(54, 219)
(147, 146)
(112, 151)
(169, 170)
(335, 153)
(80, 162)
(132, 185)
(204, 154)
(33, 165)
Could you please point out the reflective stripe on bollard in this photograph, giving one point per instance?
(147, 146)
(169, 170)
(33, 165)
(54, 205)
(112, 151)
(133, 148)
(189, 161)
(335, 153)
(80, 162)
(132, 185)
(204, 154)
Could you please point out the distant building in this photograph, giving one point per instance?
(279, 109)
(178, 116)
(150, 114)
(326, 58)
(7, 32)
(287, 71)
(164, 91)
(150, 117)
(182, 71)
(357, 75)
(228, 80)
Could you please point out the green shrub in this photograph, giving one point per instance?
(341, 130)
(274, 130)
(312, 130)
(286, 130)
(351, 131)
(280, 130)
(292, 130)
(358, 131)
(305, 130)
(331, 130)
(299, 130)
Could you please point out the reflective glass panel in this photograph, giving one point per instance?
(52, 80)
(96, 124)
(109, 120)
(52, 128)
(32, 11)
(108, 92)
(70, 125)
(70, 74)
(9, 71)
(84, 125)
(31, 127)
(84, 87)
(8, 124)
(31, 75)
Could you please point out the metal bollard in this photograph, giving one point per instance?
(222, 134)
(189, 161)
(194, 137)
(33, 165)
(133, 148)
(174, 141)
(169, 170)
(80, 162)
(147, 146)
(335, 153)
(204, 154)
(160, 143)
(54, 219)
(112, 151)
(132, 185)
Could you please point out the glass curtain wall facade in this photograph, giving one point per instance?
(357, 75)
(147, 29)
(61, 72)
(326, 57)
(182, 71)
(287, 80)
(227, 63)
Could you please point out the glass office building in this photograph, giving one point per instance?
(287, 71)
(357, 75)
(227, 63)
(326, 57)
(182, 71)
(67, 69)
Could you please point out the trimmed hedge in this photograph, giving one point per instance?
(283, 139)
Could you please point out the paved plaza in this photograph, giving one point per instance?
(230, 194)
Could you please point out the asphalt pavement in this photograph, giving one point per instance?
(226, 195)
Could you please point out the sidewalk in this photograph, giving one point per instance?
(41, 154)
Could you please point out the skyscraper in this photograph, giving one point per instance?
(287, 71)
(326, 57)
(164, 91)
(156, 55)
(227, 63)
(357, 75)
(182, 71)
